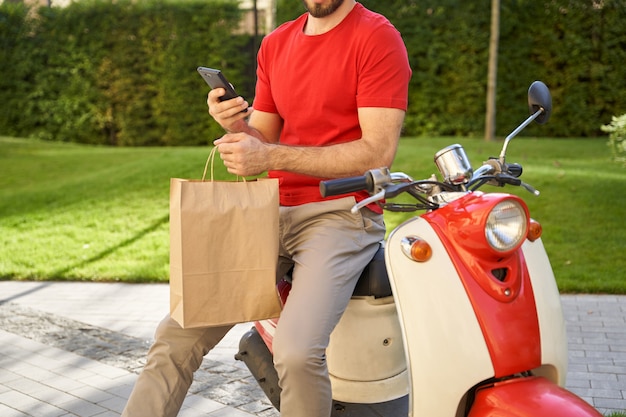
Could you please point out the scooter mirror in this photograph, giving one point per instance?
(539, 98)
(540, 106)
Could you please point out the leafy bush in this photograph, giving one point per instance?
(118, 73)
(123, 73)
(577, 47)
(617, 137)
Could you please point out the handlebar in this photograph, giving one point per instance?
(345, 185)
(372, 181)
(382, 184)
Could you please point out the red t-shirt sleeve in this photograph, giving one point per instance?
(384, 73)
(263, 100)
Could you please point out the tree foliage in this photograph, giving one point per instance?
(123, 72)
(119, 73)
(577, 47)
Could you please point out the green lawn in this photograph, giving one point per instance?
(76, 212)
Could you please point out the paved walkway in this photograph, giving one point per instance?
(74, 349)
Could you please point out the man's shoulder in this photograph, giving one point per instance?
(369, 30)
(371, 19)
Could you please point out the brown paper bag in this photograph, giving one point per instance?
(223, 251)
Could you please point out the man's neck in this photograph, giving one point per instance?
(320, 25)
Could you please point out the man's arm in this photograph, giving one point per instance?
(247, 154)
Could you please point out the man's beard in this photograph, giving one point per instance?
(319, 10)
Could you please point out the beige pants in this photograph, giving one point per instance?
(328, 248)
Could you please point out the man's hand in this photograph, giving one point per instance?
(230, 114)
(243, 155)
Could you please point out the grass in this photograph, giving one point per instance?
(77, 212)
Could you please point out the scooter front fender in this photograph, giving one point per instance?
(529, 397)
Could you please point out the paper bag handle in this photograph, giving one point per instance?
(211, 158)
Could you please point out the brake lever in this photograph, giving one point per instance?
(369, 200)
(530, 188)
(389, 191)
(508, 179)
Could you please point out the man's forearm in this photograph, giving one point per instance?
(335, 161)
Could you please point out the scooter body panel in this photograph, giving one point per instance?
(368, 333)
(549, 313)
(497, 283)
(445, 348)
(487, 315)
(365, 356)
(529, 397)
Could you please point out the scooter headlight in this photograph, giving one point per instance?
(506, 226)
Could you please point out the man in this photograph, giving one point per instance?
(330, 100)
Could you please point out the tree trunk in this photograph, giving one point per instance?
(492, 75)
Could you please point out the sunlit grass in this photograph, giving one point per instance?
(75, 212)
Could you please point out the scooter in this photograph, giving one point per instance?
(459, 310)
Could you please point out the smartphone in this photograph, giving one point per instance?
(215, 79)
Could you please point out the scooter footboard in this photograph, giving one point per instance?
(529, 397)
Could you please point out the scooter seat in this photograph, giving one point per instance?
(374, 280)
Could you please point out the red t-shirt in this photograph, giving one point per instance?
(317, 83)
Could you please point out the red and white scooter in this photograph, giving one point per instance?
(466, 319)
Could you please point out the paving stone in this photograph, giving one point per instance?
(216, 381)
(109, 357)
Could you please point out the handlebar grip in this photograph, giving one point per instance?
(344, 185)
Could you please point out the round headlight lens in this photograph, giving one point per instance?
(506, 226)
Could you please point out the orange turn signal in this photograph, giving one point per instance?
(416, 249)
(534, 231)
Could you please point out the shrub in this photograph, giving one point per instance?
(617, 137)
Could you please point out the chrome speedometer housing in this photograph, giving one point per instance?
(454, 164)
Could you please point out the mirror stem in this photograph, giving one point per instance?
(516, 131)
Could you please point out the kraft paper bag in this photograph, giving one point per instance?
(223, 251)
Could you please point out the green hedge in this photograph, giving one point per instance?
(576, 47)
(118, 73)
(123, 73)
